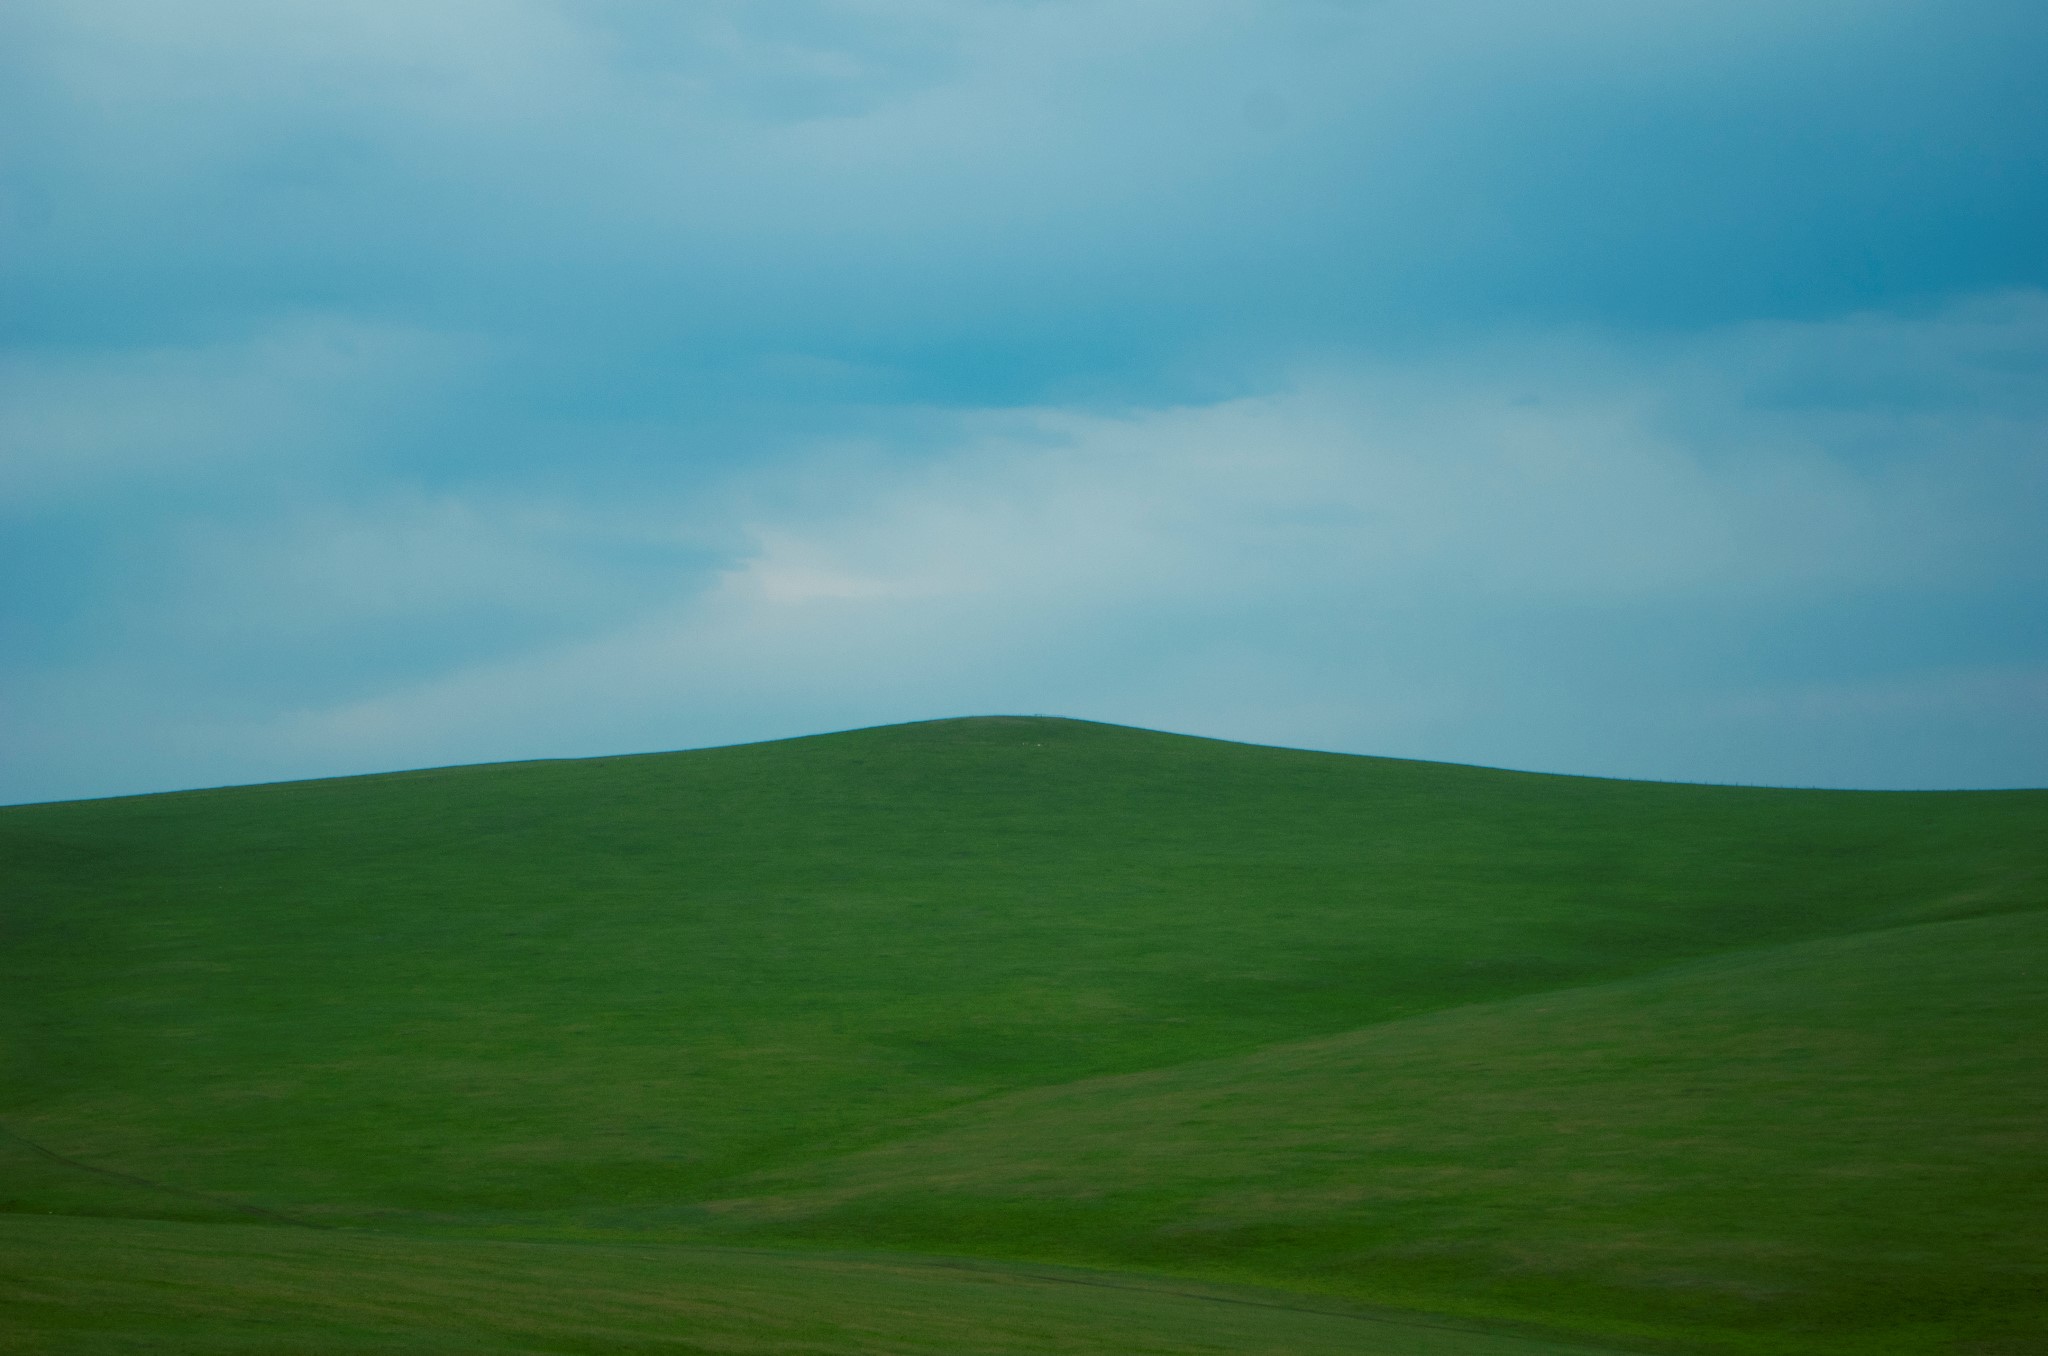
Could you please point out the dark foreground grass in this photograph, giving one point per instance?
(94, 1287)
(957, 987)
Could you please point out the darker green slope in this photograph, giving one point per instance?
(1835, 1146)
(481, 992)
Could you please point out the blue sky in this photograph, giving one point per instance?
(1640, 390)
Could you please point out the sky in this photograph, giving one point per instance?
(1639, 390)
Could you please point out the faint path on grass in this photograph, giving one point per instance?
(258, 1211)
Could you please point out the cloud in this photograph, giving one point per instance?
(998, 198)
(80, 421)
(1472, 379)
(1511, 555)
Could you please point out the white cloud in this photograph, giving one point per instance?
(689, 234)
(1255, 566)
(407, 557)
(79, 421)
(1568, 551)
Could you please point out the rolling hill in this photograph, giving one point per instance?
(1636, 1065)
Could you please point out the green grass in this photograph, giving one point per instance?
(92, 1287)
(1712, 1068)
(1834, 1145)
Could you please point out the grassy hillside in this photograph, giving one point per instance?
(1833, 1145)
(939, 987)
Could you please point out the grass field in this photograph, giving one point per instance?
(1671, 1067)
(91, 1286)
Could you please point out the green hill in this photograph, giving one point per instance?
(1685, 1067)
